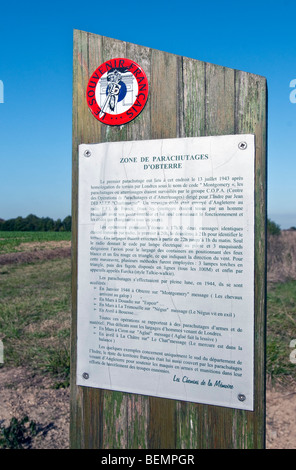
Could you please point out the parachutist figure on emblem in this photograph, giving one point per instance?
(114, 77)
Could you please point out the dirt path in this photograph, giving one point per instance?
(35, 252)
(281, 418)
(25, 394)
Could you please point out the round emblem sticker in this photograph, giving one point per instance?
(117, 91)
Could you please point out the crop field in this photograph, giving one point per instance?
(11, 242)
(35, 303)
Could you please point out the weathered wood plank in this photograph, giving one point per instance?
(194, 100)
(187, 98)
(100, 419)
(208, 110)
(251, 117)
(140, 128)
(235, 102)
(86, 404)
(164, 119)
(163, 96)
(75, 401)
(219, 100)
(219, 120)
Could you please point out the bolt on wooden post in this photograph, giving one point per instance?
(162, 356)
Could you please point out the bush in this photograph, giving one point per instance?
(18, 434)
(273, 228)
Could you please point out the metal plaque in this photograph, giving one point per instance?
(166, 268)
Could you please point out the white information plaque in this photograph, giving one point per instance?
(166, 268)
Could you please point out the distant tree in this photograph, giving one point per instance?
(273, 228)
(32, 223)
(8, 225)
(57, 225)
(47, 224)
(67, 223)
(19, 224)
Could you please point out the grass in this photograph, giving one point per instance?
(35, 316)
(281, 330)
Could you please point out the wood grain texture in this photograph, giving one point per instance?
(187, 98)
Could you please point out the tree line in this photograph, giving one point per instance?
(32, 223)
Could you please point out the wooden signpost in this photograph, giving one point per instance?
(124, 132)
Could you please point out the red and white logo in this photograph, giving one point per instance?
(117, 91)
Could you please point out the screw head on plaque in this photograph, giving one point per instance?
(117, 91)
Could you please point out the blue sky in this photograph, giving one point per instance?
(36, 40)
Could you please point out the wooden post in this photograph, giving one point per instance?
(188, 98)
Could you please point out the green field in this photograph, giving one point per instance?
(35, 313)
(10, 241)
(281, 330)
(35, 308)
